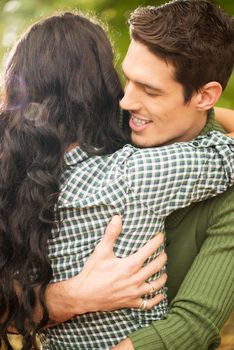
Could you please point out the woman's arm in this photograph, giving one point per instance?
(225, 117)
(171, 177)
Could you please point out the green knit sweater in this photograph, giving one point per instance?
(200, 247)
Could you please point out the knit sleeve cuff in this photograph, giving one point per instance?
(146, 338)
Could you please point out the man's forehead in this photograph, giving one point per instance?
(142, 65)
(140, 80)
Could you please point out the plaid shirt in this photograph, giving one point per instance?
(143, 186)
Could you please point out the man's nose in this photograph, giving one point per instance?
(130, 100)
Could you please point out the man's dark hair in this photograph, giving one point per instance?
(195, 36)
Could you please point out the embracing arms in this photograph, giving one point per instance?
(116, 283)
(206, 296)
(128, 294)
(203, 302)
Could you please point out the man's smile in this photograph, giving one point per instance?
(138, 124)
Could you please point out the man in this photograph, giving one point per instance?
(176, 68)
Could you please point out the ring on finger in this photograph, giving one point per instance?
(143, 304)
(152, 289)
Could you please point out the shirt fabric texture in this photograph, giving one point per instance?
(144, 187)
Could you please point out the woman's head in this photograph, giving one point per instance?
(61, 72)
(60, 88)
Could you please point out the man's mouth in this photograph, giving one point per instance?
(138, 124)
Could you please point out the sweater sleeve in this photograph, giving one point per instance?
(206, 297)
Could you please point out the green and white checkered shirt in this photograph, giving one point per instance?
(143, 186)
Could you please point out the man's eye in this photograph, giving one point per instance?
(151, 93)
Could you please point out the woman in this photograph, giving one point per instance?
(64, 173)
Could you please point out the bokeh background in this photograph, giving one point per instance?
(17, 15)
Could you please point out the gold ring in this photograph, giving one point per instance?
(152, 289)
(143, 305)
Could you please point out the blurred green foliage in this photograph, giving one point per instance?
(17, 15)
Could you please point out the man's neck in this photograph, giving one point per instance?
(196, 129)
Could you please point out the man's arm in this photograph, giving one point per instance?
(206, 296)
(116, 283)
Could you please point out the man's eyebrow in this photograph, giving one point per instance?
(150, 87)
(143, 84)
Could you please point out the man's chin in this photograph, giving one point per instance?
(143, 143)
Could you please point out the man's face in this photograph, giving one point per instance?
(155, 101)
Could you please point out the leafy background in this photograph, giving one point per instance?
(17, 15)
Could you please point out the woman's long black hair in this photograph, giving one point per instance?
(60, 88)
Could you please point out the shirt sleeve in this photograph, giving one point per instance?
(171, 177)
(206, 296)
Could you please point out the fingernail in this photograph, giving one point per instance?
(116, 220)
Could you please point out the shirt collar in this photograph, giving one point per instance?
(74, 156)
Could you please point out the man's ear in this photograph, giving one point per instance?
(209, 95)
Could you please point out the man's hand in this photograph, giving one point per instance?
(125, 344)
(106, 282)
